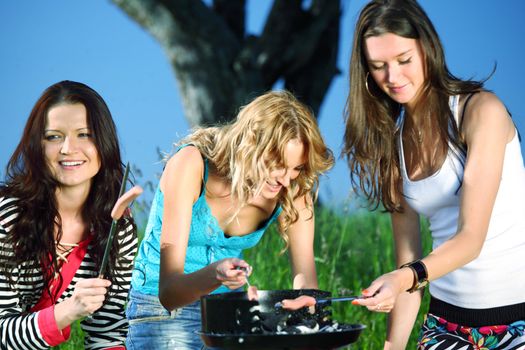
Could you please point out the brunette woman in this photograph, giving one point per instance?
(422, 142)
(55, 215)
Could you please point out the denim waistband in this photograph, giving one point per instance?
(134, 294)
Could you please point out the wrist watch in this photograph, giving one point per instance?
(420, 275)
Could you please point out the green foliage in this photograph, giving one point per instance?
(350, 251)
(76, 339)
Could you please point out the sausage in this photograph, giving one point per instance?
(299, 302)
(252, 293)
(124, 201)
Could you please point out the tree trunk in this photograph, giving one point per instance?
(219, 68)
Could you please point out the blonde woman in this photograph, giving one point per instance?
(218, 194)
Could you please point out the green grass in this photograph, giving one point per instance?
(351, 251)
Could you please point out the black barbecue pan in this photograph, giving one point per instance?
(347, 335)
(231, 321)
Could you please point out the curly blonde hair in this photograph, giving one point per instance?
(245, 151)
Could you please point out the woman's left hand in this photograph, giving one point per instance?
(382, 294)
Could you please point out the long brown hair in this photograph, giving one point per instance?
(30, 181)
(372, 116)
(246, 150)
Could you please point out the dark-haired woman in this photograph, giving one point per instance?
(55, 214)
(420, 141)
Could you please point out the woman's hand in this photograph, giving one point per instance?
(382, 294)
(88, 297)
(232, 272)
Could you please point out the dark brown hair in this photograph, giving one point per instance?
(372, 116)
(29, 180)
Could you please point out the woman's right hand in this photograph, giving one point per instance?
(88, 297)
(382, 294)
(232, 272)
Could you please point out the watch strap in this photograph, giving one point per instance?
(420, 275)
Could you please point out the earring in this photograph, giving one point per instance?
(366, 85)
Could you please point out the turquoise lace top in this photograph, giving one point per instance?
(207, 242)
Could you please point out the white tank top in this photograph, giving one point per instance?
(497, 276)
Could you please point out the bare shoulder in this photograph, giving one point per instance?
(486, 111)
(185, 166)
(305, 206)
(188, 158)
(485, 105)
(303, 202)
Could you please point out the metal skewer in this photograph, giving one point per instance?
(113, 227)
(279, 305)
(347, 298)
(245, 269)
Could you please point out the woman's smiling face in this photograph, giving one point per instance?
(397, 66)
(68, 145)
(294, 158)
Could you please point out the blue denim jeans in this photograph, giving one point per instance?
(151, 326)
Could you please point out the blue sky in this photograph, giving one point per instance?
(94, 42)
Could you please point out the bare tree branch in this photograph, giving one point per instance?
(234, 14)
(218, 67)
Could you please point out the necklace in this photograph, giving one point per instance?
(419, 136)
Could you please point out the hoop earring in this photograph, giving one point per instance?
(366, 84)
